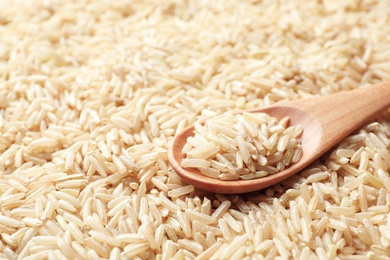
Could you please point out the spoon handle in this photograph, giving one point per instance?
(340, 114)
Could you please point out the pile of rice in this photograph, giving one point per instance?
(92, 92)
(242, 146)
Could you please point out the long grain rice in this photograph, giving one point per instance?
(241, 147)
(91, 95)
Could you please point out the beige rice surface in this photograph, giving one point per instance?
(92, 93)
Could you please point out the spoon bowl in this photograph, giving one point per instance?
(326, 120)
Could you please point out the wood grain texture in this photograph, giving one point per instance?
(326, 121)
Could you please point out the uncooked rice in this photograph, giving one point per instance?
(242, 146)
(92, 93)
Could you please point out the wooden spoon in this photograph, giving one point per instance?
(326, 120)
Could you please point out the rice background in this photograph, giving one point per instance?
(92, 92)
